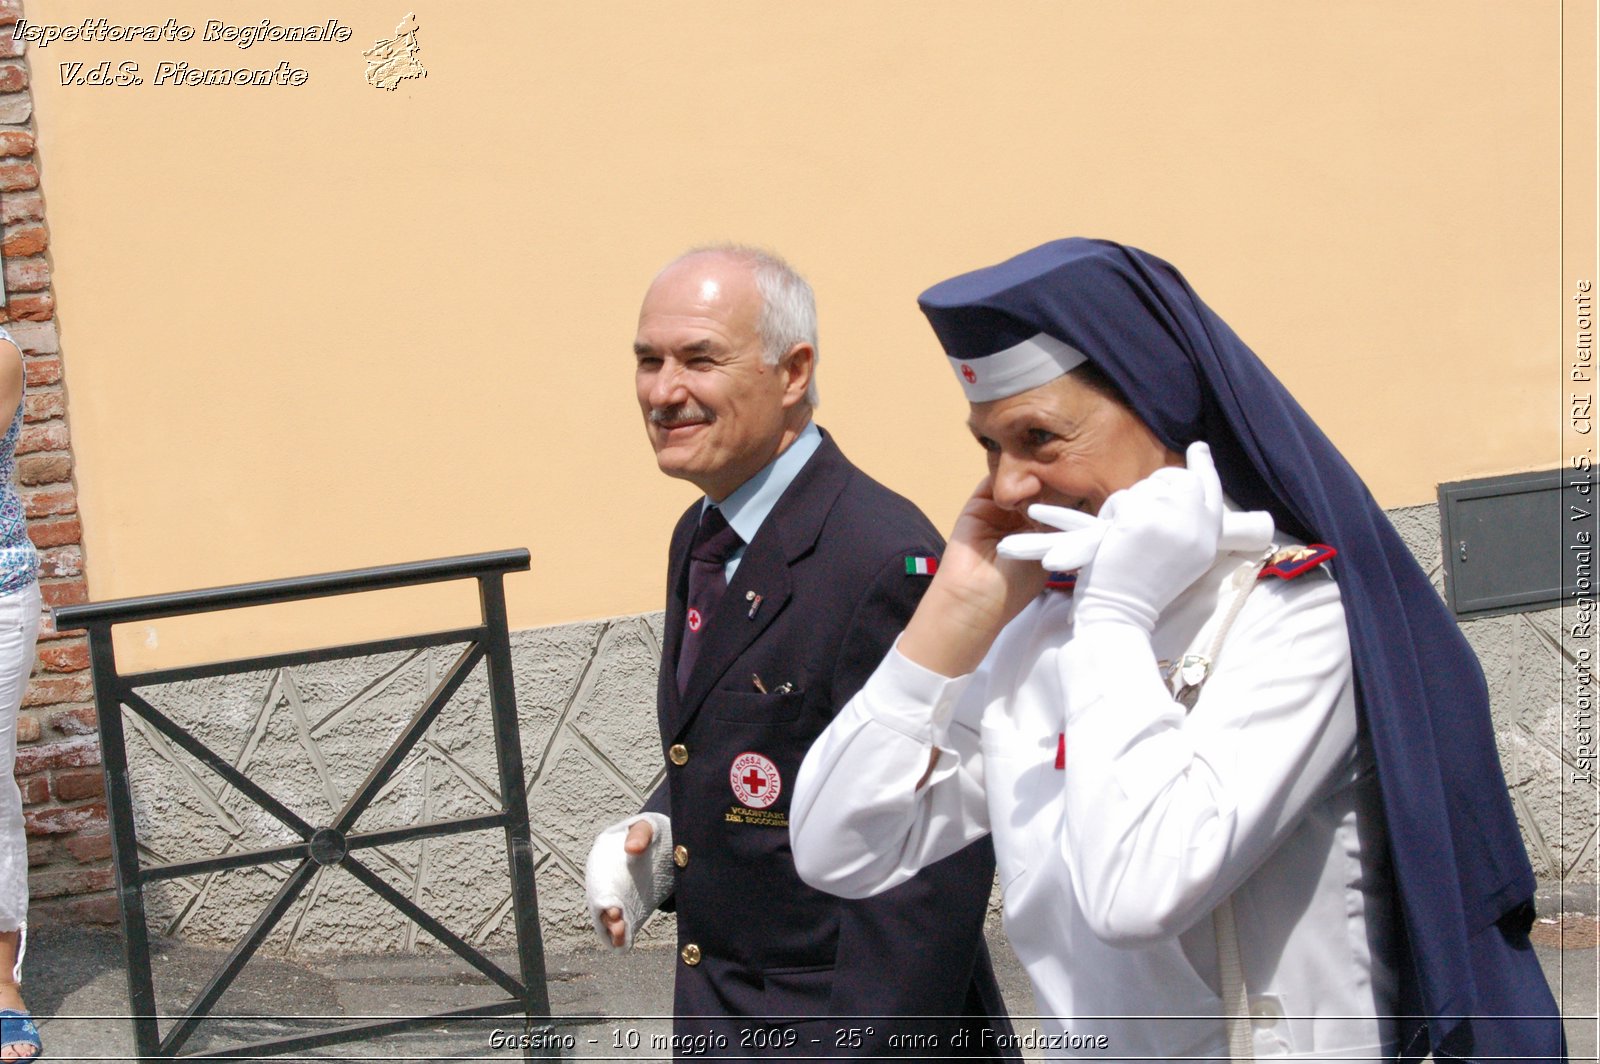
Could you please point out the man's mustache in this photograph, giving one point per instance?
(683, 414)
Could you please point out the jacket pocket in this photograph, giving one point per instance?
(754, 707)
(800, 990)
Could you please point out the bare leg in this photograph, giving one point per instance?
(10, 992)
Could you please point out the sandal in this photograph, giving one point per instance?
(17, 1029)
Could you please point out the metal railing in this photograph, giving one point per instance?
(320, 845)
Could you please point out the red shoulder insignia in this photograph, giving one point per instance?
(1061, 581)
(1291, 562)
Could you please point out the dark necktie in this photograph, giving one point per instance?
(714, 543)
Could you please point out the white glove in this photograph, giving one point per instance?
(1244, 531)
(636, 884)
(1148, 544)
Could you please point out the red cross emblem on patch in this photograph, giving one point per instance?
(694, 619)
(755, 781)
(970, 374)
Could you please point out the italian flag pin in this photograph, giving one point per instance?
(921, 565)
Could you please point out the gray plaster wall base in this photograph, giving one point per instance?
(586, 706)
(586, 703)
(1528, 661)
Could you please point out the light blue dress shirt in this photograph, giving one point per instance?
(747, 508)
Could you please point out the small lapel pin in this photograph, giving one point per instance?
(755, 603)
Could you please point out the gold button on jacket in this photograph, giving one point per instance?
(690, 954)
(679, 754)
(680, 856)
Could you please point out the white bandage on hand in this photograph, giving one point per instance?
(636, 884)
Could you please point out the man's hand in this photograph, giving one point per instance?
(637, 842)
(628, 875)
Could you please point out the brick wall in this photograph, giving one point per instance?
(58, 756)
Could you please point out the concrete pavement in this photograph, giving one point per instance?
(76, 986)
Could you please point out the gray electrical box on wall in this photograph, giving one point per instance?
(1511, 543)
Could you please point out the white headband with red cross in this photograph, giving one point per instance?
(1035, 361)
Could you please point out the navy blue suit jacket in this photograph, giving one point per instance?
(829, 565)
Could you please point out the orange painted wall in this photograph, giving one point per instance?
(318, 327)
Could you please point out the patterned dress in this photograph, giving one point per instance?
(19, 562)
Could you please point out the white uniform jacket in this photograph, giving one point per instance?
(1120, 820)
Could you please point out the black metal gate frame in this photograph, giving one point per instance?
(329, 844)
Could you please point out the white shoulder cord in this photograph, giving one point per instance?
(1188, 677)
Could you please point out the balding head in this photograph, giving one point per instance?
(788, 309)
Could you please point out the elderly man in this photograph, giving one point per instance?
(786, 585)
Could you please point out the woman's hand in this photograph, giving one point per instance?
(1160, 536)
(974, 593)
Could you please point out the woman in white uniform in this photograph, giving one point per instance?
(1187, 797)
